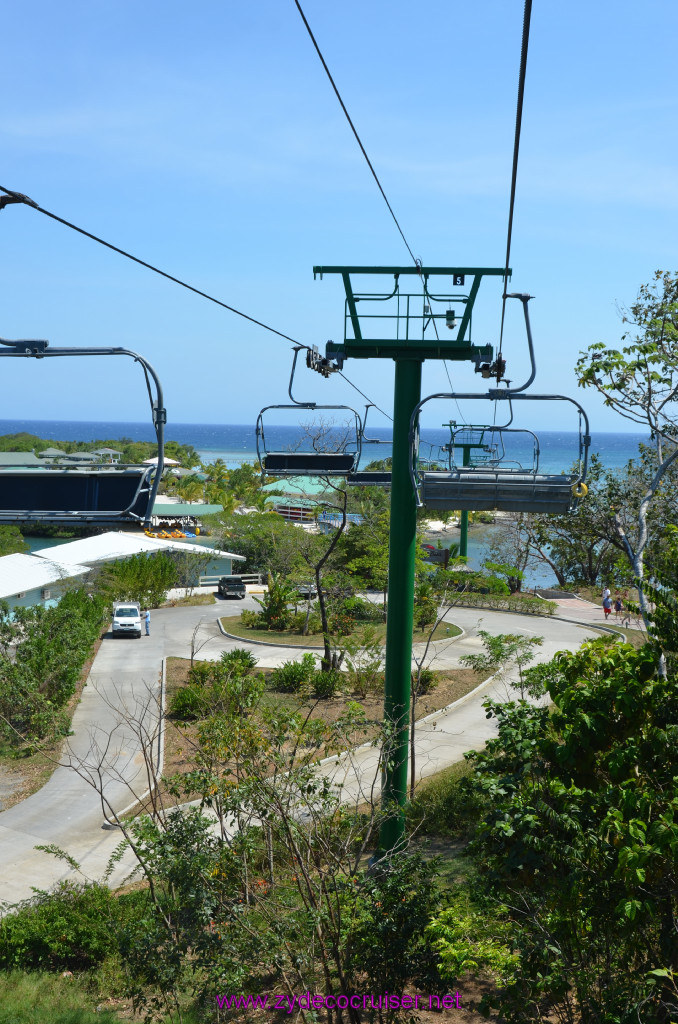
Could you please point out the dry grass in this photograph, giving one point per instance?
(181, 738)
(190, 600)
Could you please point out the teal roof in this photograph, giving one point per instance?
(180, 509)
(301, 485)
(292, 499)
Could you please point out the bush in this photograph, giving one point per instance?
(326, 684)
(427, 681)
(200, 674)
(251, 620)
(360, 610)
(188, 702)
(298, 622)
(292, 676)
(72, 928)
(49, 647)
(386, 941)
(446, 804)
(142, 578)
(508, 603)
(238, 660)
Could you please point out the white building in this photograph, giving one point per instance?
(26, 580)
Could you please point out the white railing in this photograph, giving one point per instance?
(212, 581)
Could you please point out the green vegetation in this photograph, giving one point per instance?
(236, 626)
(41, 998)
(11, 540)
(142, 578)
(42, 653)
(559, 897)
(131, 451)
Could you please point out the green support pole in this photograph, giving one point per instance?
(463, 535)
(402, 549)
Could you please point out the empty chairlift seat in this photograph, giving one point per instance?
(485, 490)
(511, 481)
(308, 463)
(67, 495)
(80, 492)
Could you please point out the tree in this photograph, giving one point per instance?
(284, 899)
(264, 538)
(580, 840)
(510, 552)
(579, 546)
(504, 653)
(142, 578)
(11, 541)
(640, 382)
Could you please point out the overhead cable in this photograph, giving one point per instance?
(18, 197)
(366, 397)
(355, 131)
(527, 12)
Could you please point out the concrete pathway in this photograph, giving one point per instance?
(125, 677)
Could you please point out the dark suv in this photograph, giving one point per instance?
(232, 586)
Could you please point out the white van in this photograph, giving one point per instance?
(127, 619)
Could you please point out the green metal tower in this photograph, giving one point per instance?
(403, 326)
(467, 445)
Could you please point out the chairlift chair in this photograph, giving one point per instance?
(501, 486)
(308, 462)
(78, 495)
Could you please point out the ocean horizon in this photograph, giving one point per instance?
(236, 443)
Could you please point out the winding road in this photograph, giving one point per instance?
(125, 677)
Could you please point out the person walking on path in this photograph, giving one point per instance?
(607, 604)
(618, 607)
(147, 619)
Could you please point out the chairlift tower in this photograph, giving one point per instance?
(473, 440)
(407, 327)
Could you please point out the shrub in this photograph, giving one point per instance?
(298, 622)
(292, 676)
(188, 702)
(251, 620)
(341, 624)
(200, 674)
(360, 610)
(68, 929)
(326, 684)
(446, 804)
(386, 942)
(470, 941)
(238, 660)
(426, 682)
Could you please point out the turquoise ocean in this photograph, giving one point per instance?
(236, 444)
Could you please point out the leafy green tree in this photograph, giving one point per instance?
(142, 578)
(580, 840)
(42, 652)
(640, 382)
(11, 541)
(267, 542)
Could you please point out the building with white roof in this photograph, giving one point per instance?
(107, 547)
(27, 580)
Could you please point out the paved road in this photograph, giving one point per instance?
(125, 675)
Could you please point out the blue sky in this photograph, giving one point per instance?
(208, 141)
